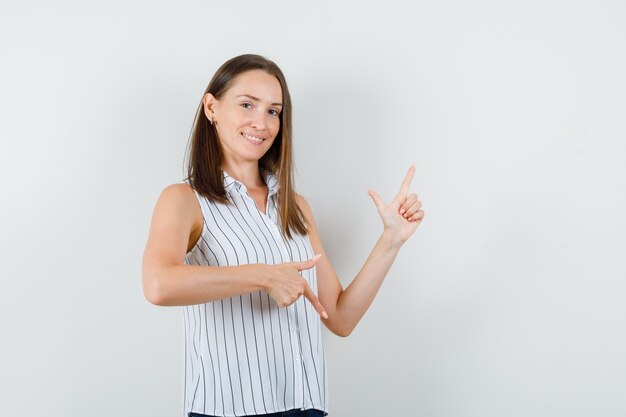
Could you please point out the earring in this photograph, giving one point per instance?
(210, 120)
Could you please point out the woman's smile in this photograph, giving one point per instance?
(253, 139)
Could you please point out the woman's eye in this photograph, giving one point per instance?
(246, 105)
(274, 112)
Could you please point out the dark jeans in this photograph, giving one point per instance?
(290, 413)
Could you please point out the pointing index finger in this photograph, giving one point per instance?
(301, 266)
(406, 184)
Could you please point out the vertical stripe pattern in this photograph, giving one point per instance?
(244, 355)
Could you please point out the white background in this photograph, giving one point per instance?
(508, 301)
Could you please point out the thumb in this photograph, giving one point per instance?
(379, 203)
(301, 266)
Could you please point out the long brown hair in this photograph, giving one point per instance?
(205, 156)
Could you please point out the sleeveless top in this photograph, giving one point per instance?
(244, 355)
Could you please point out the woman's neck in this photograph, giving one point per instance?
(249, 174)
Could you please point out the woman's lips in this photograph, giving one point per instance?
(252, 139)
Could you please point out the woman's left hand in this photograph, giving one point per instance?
(402, 216)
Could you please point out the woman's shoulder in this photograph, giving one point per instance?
(179, 191)
(305, 207)
(180, 197)
(177, 211)
(300, 199)
(311, 224)
(302, 203)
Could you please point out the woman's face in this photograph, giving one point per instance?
(247, 116)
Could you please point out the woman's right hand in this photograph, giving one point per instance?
(285, 284)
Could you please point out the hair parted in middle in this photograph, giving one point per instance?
(205, 155)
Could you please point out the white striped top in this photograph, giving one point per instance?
(244, 355)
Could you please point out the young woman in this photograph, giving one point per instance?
(240, 250)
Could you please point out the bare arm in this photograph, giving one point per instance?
(346, 307)
(168, 281)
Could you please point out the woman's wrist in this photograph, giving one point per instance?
(261, 274)
(391, 240)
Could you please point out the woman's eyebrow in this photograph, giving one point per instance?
(257, 99)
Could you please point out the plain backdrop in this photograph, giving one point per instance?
(509, 300)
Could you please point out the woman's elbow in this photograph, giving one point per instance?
(343, 333)
(152, 289)
(152, 295)
(339, 330)
(153, 298)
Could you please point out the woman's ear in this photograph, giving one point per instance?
(209, 102)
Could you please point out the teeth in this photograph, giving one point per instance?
(252, 138)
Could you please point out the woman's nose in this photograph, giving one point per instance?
(258, 121)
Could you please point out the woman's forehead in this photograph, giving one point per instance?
(257, 84)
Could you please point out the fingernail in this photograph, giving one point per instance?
(402, 211)
(324, 315)
(317, 256)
